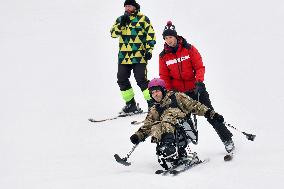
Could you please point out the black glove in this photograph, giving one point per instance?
(148, 55)
(211, 114)
(134, 139)
(199, 87)
(124, 19)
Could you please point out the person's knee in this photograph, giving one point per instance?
(142, 83)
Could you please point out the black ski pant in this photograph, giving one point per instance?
(222, 131)
(140, 75)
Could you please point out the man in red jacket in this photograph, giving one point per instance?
(181, 67)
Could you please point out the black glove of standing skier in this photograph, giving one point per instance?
(199, 87)
(134, 139)
(211, 114)
(148, 55)
(124, 19)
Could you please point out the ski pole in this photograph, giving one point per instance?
(130, 152)
(123, 161)
(249, 136)
(194, 115)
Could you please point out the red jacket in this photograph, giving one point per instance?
(181, 69)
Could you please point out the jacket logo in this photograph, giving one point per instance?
(176, 60)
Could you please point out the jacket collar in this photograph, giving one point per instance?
(181, 42)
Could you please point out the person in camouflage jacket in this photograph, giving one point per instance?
(169, 108)
(136, 42)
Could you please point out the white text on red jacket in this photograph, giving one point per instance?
(176, 60)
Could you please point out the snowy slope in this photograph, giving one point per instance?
(58, 68)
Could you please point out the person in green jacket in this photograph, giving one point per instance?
(136, 42)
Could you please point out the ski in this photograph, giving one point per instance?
(164, 172)
(123, 161)
(120, 160)
(187, 167)
(116, 117)
(175, 169)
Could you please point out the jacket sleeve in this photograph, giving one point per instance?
(165, 73)
(145, 130)
(150, 35)
(115, 30)
(197, 64)
(189, 105)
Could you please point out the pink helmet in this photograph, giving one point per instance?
(157, 82)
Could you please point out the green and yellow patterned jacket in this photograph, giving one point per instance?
(135, 39)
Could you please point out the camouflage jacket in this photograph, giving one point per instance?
(167, 112)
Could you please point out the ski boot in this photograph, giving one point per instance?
(131, 108)
(229, 146)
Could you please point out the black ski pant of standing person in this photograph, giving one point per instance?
(220, 128)
(140, 75)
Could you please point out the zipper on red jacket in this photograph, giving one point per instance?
(180, 70)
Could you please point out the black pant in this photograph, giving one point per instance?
(220, 128)
(140, 75)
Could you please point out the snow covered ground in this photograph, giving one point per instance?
(58, 68)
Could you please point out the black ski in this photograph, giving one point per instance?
(175, 169)
(187, 167)
(120, 160)
(123, 161)
(164, 172)
(116, 117)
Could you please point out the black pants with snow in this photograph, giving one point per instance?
(140, 75)
(220, 128)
